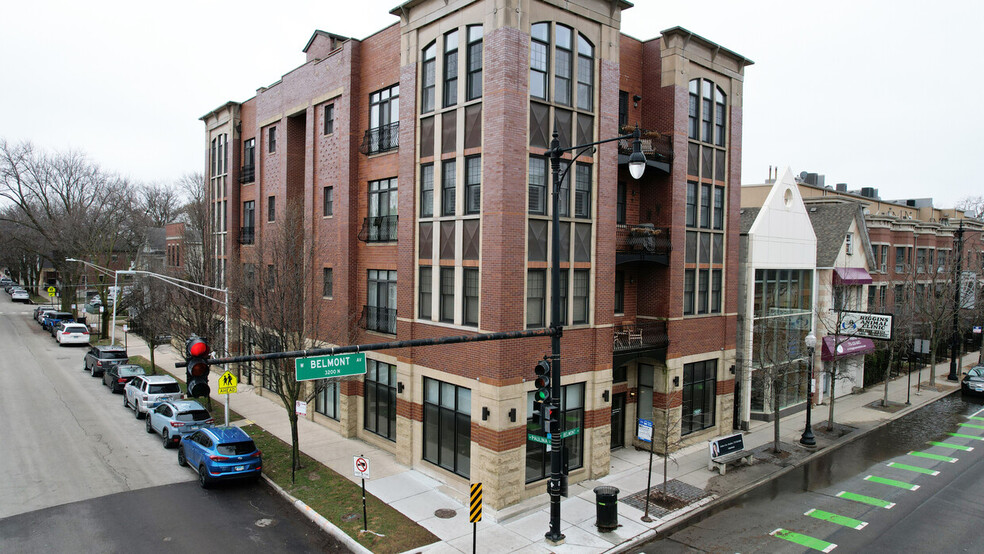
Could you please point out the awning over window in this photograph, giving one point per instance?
(851, 276)
(846, 346)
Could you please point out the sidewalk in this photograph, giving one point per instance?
(521, 527)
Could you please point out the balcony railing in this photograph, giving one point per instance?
(247, 235)
(656, 147)
(378, 319)
(378, 229)
(640, 336)
(247, 174)
(381, 139)
(642, 239)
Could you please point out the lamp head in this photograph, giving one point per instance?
(810, 340)
(637, 160)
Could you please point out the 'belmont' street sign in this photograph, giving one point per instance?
(865, 325)
(321, 367)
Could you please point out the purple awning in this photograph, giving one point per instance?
(851, 276)
(846, 347)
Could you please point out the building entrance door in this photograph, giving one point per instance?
(618, 420)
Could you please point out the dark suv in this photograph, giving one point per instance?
(98, 358)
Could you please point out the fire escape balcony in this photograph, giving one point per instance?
(378, 319)
(247, 235)
(658, 149)
(378, 229)
(247, 174)
(649, 339)
(381, 139)
(643, 243)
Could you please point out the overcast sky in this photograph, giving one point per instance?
(871, 93)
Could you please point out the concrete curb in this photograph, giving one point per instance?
(318, 519)
(684, 520)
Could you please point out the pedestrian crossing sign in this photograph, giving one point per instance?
(228, 383)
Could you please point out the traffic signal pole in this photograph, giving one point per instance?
(553, 426)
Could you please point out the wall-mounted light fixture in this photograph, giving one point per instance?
(676, 381)
(635, 101)
(604, 396)
(399, 387)
(732, 369)
(485, 413)
(512, 415)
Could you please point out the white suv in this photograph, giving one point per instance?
(146, 392)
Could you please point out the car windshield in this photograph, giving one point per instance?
(130, 370)
(164, 388)
(194, 415)
(75, 328)
(976, 372)
(113, 355)
(236, 448)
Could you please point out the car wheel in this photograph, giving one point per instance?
(203, 478)
(182, 461)
(165, 440)
(149, 428)
(136, 411)
(125, 403)
(84, 367)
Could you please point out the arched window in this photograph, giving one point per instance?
(428, 78)
(539, 59)
(707, 113)
(585, 74)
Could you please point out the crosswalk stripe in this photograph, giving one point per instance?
(964, 436)
(951, 445)
(837, 518)
(803, 540)
(916, 469)
(936, 457)
(870, 500)
(972, 426)
(891, 482)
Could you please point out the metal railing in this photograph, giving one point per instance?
(642, 239)
(381, 139)
(378, 229)
(379, 319)
(651, 334)
(247, 174)
(655, 146)
(247, 235)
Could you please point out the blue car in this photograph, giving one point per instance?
(52, 319)
(221, 454)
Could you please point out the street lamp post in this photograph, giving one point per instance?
(637, 165)
(955, 337)
(808, 439)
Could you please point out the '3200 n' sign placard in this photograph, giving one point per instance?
(321, 367)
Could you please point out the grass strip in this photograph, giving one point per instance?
(338, 499)
(936, 457)
(891, 482)
(837, 518)
(951, 445)
(803, 540)
(916, 469)
(869, 500)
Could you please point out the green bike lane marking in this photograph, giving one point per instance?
(916, 469)
(837, 518)
(975, 418)
(936, 457)
(972, 425)
(803, 540)
(891, 482)
(951, 445)
(869, 500)
(962, 436)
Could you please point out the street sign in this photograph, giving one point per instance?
(321, 367)
(361, 464)
(228, 383)
(537, 438)
(920, 346)
(570, 432)
(51, 291)
(645, 430)
(300, 408)
(977, 329)
(866, 325)
(475, 506)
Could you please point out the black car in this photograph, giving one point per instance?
(98, 358)
(973, 381)
(116, 376)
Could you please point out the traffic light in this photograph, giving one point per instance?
(196, 355)
(542, 382)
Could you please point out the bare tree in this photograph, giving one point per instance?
(973, 204)
(933, 309)
(780, 364)
(149, 305)
(160, 203)
(830, 316)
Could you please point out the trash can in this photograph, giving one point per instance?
(606, 501)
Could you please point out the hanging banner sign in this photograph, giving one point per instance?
(865, 325)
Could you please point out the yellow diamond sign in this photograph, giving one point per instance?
(228, 383)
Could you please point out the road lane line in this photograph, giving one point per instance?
(951, 445)
(963, 436)
(936, 457)
(837, 518)
(891, 482)
(870, 500)
(803, 540)
(916, 469)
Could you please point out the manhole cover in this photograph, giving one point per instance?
(445, 513)
(350, 517)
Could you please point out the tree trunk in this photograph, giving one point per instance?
(888, 373)
(295, 450)
(153, 365)
(932, 355)
(833, 381)
(776, 447)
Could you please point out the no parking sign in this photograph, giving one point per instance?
(361, 464)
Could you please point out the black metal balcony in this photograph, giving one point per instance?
(247, 235)
(378, 229)
(247, 174)
(642, 243)
(381, 139)
(658, 149)
(378, 319)
(649, 338)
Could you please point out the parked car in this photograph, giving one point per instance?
(52, 319)
(973, 381)
(116, 376)
(9, 286)
(20, 296)
(98, 358)
(59, 324)
(146, 392)
(38, 310)
(221, 454)
(176, 419)
(71, 333)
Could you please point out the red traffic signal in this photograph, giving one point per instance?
(197, 347)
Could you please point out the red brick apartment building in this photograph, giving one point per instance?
(417, 155)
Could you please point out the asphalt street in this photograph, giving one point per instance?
(80, 472)
(915, 485)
